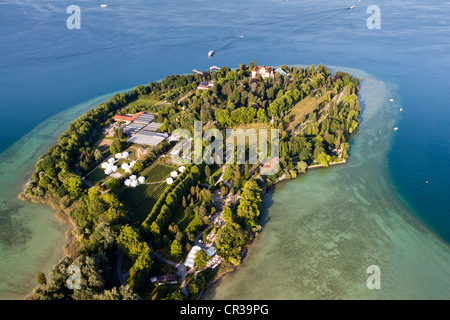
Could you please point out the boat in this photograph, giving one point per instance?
(210, 54)
(401, 109)
(352, 7)
(391, 100)
(103, 5)
(395, 128)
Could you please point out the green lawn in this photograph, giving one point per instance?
(147, 103)
(157, 172)
(97, 176)
(303, 107)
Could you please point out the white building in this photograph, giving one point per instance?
(211, 251)
(190, 258)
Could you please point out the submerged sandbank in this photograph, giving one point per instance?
(323, 230)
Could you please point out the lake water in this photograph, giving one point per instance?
(322, 230)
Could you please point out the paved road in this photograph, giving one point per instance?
(181, 271)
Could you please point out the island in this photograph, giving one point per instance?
(145, 225)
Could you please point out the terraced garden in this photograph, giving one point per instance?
(141, 199)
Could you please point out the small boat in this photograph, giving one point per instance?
(395, 128)
(210, 54)
(391, 100)
(241, 36)
(352, 7)
(401, 109)
(103, 5)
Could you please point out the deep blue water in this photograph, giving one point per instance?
(46, 68)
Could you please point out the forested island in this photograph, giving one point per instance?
(144, 226)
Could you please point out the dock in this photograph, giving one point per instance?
(196, 71)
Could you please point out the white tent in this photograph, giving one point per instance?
(133, 177)
(174, 174)
(141, 179)
(125, 154)
(108, 171)
(134, 183)
(181, 169)
(169, 180)
(114, 168)
(127, 182)
(118, 155)
(111, 160)
(104, 165)
(132, 163)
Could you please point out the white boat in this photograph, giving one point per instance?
(395, 128)
(391, 100)
(401, 109)
(352, 7)
(103, 5)
(210, 54)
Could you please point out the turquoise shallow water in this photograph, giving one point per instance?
(31, 239)
(46, 69)
(322, 230)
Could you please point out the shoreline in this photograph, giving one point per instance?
(67, 220)
(63, 215)
(246, 248)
